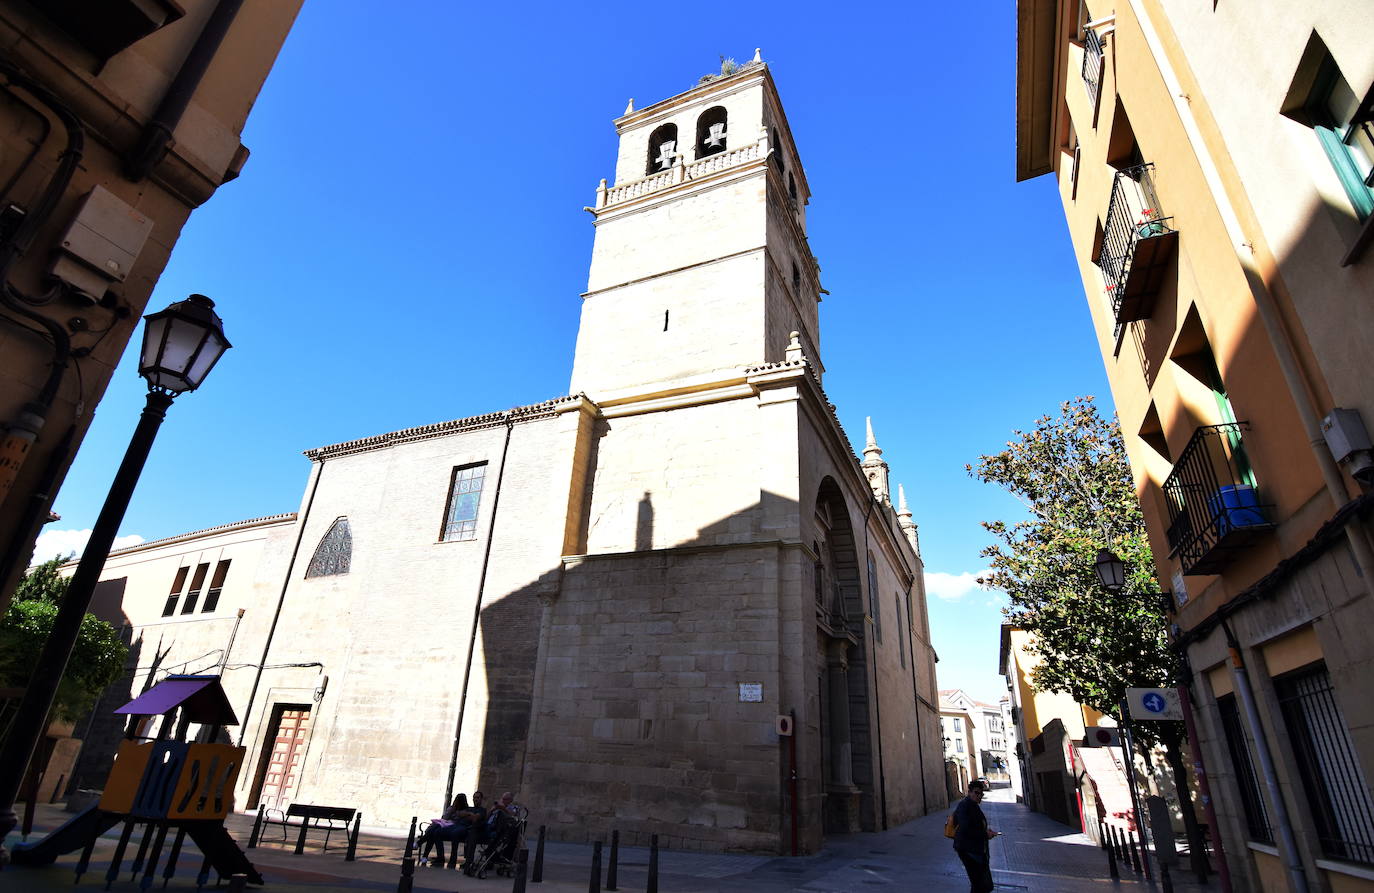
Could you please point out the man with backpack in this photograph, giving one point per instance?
(971, 836)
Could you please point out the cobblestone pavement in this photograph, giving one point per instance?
(1034, 853)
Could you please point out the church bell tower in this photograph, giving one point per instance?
(700, 262)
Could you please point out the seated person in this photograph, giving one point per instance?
(505, 811)
(453, 827)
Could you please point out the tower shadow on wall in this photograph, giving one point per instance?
(626, 634)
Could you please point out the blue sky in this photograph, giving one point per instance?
(407, 245)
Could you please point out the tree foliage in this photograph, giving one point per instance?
(97, 658)
(1071, 474)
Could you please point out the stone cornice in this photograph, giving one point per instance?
(232, 527)
(520, 414)
(746, 77)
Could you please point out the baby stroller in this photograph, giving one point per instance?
(505, 837)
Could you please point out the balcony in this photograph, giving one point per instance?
(1214, 508)
(1137, 245)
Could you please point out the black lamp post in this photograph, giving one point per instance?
(180, 346)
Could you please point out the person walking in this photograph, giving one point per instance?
(971, 836)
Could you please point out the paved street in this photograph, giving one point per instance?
(1034, 854)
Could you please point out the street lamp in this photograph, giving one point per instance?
(180, 346)
(1111, 570)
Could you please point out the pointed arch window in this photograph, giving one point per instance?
(334, 553)
(711, 131)
(662, 149)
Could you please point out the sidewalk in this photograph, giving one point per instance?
(1034, 853)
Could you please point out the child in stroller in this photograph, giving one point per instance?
(504, 834)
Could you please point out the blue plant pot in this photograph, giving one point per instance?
(1235, 506)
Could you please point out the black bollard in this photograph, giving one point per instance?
(257, 828)
(1166, 882)
(652, 885)
(522, 861)
(538, 874)
(615, 857)
(1101, 834)
(1135, 857)
(594, 885)
(1112, 869)
(352, 853)
(407, 880)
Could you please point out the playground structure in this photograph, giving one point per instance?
(164, 783)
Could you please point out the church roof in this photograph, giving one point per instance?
(529, 413)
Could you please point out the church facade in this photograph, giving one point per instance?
(674, 602)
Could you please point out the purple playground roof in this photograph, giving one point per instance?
(201, 697)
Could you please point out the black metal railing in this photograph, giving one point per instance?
(1247, 783)
(1134, 221)
(1092, 65)
(1331, 777)
(1214, 507)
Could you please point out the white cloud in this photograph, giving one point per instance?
(953, 587)
(67, 542)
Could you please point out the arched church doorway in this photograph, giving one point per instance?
(841, 669)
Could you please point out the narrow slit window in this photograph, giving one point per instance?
(216, 585)
(193, 594)
(175, 595)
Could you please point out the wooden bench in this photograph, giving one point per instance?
(309, 816)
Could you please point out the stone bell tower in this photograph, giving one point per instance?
(700, 261)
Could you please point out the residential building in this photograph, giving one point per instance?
(986, 742)
(1215, 163)
(117, 120)
(674, 602)
(1049, 726)
(960, 747)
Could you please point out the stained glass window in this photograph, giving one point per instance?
(334, 553)
(464, 498)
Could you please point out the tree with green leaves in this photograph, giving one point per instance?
(1071, 474)
(96, 661)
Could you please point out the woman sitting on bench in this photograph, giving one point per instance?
(453, 827)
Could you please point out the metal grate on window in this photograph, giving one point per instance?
(1331, 776)
(464, 499)
(1092, 64)
(1238, 745)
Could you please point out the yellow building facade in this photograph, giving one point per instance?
(1215, 166)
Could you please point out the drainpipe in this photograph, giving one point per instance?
(157, 133)
(477, 613)
(21, 433)
(281, 600)
(1288, 845)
